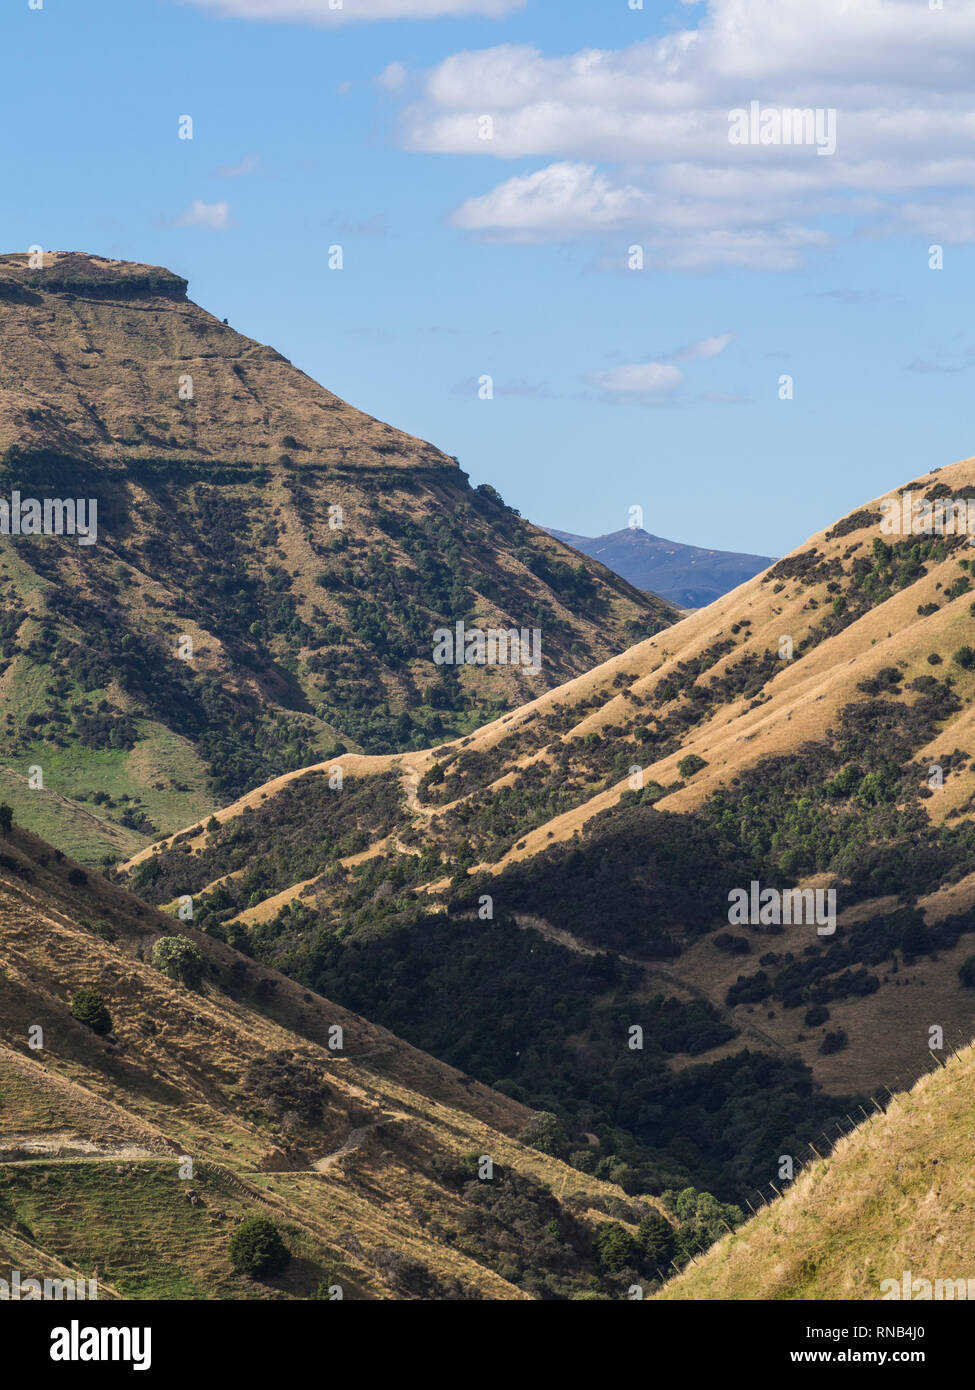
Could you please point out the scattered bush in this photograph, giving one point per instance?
(180, 959)
(256, 1248)
(691, 764)
(88, 1007)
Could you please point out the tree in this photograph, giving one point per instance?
(965, 658)
(966, 972)
(545, 1133)
(88, 1007)
(615, 1247)
(691, 764)
(181, 959)
(656, 1235)
(6, 818)
(256, 1247)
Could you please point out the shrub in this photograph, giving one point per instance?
(545, 1133)
(965, 658)
(88, 1007)
(966, 972)
(180, 959)
(691, 764)
(6, 818)
(833, 1042)
(77, 877)
(256, 1247)
(656, 1236)
(816, 1015)
(615, 1247)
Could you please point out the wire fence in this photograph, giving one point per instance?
(823, 1146)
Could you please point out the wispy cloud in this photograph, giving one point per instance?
(858, 297)
(707, 347)
(319, 12)
(653, 379)
(214, 217)
(248, 165)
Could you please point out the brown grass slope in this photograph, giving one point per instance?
(896, 1194)
(800, 702)
(797, 702)
(93, 1130)
(217, 522)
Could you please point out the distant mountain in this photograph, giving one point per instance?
(685, 574)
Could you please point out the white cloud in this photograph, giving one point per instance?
(636, 140)
(215, 217)
(556, 201)
(392, 77)
(248, 165)
(640, 379)
(707, 347)
(320, 12)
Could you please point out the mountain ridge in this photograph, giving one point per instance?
(690, 576)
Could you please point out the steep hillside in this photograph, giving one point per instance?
(687, 575)
(812, 728)
(269, 571)
(895, 1196)
(134, 1154)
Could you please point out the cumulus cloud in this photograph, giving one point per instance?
(215, 217)
(636, 140)
(337, 11)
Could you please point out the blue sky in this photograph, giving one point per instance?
(465, 257)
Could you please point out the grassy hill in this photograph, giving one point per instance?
(811, 728)
(270, 568)
(366, 1158)
(896, 1195)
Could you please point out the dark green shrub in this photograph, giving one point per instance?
(256, 1248)
(180, 959)
(691, 764)
(88, 1007)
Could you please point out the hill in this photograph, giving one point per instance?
(269, 566)
(686, 575)
(895, 1196)
(812, 729)
(132, 1155)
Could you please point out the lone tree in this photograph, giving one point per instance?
(88, 1007)
(181, 959)
(545, 1132)
(966, 972)
(6, 818)
(256, 1248)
